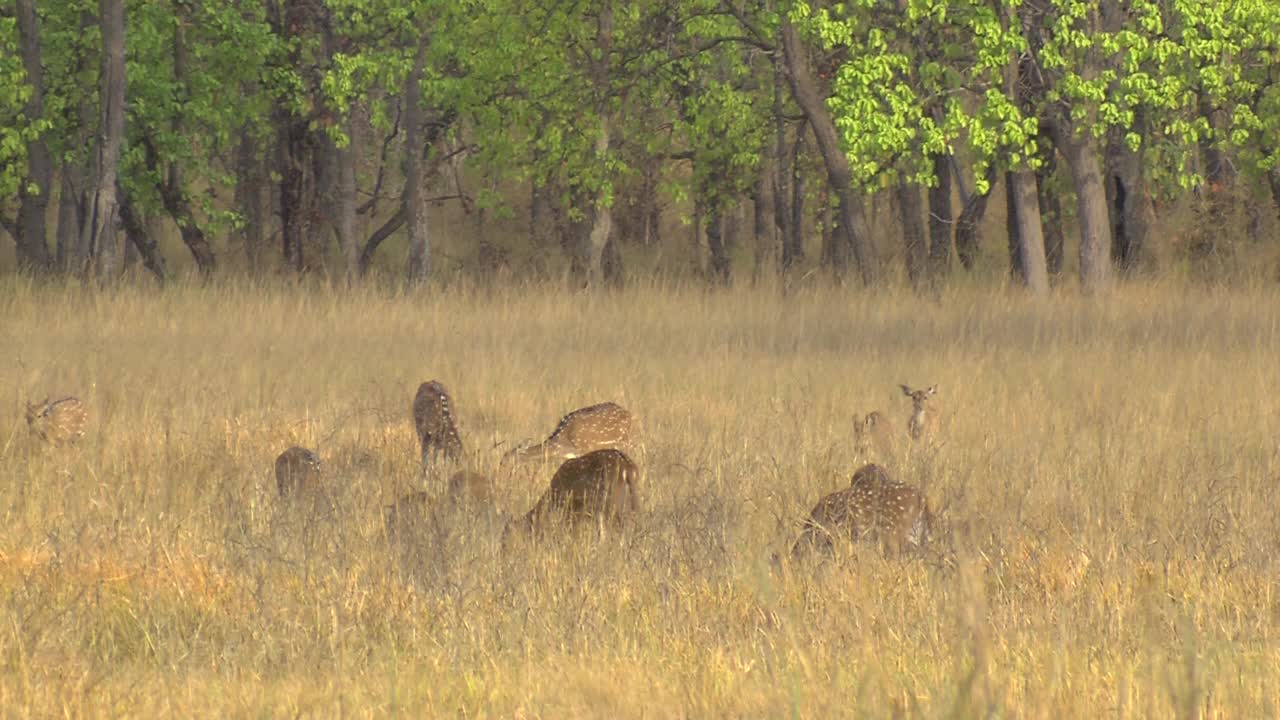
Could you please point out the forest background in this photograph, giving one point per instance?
(599, 141)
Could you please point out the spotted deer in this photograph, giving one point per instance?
(57, 422)
(873, 507)
(597, 427)
(600, 487)
(872, 433)
(434, 421)
(297, 471)
(924, 419)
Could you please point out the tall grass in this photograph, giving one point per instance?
(1105, 477)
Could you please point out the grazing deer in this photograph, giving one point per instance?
(598, 487)
(404, 516)
(433, 418)
(58, 422)
(297, 471)
(406, 519)
(924, 419)
(469, 486)
(597, 427)
(874, 506)
(872, 433)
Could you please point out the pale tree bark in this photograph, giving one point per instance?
(602, 211)
(1026, 210)
(1027, 234)
(99, 229)
(347, 240)
(33, 195)
(415, 207)
(916, 252)
(840, 176)
(1091, 207)
(601, 217)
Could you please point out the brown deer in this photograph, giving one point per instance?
(597, 427)
(924, 419)
(874, 506)
(872, 433)
(406, 518)
(598, 487)
(433, 418)
(58, 422)
(297, 471)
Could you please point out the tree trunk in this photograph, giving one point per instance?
(33, 194)
(1091, 208)
(835, 254)
(139, 239)
(795, 228)
(249, 198)
(347, 241)
(970, 220)
(601, 205)
(70, 220)
(173, 190)
(1050, 210)
(1011, 229)
(1131, 212)
(1219, 177)
(719, 256)
(601, 215)
(804, 88)
(539, 215)
(760, 222)
(783, 172)
(1025, 207)
(99, 231)
(1273, 181)
(419, 264)
(940, 218)
(913, 241)
(397, 220)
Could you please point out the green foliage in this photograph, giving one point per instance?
(16, 129)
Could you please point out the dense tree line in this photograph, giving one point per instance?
(281, 124)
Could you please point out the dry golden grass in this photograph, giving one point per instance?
(1105, 480)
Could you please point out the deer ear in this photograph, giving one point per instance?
(905, 390)
(933, 390)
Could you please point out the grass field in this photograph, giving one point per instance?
(1105, 478)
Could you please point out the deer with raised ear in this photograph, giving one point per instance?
(58, 422)
(596, 427)
(924, 418)
(875, 507)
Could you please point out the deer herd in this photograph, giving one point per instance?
(596, 483)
